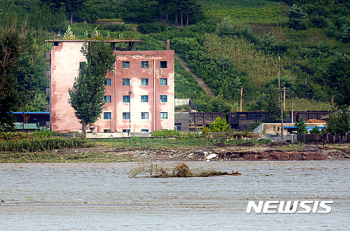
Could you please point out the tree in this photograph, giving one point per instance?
(339, 77)
(339, 122)
(71, 6)
(296, 18)
(87, 93)
(273, 108)
(12, 44)
(301, 127)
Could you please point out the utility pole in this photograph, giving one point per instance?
(332, 99)
(240, 103)
(284, 98)
(292, 119)
(281, 92)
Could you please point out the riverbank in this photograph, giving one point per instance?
(182, 150)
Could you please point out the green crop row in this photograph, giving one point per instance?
(241, 13)
(40, 144)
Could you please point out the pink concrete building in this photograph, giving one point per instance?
(139, 91)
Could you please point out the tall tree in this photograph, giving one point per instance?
(12, 44)
(339, 77)
(87, 94)
(71, 6)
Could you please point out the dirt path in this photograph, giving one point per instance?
(199, 80)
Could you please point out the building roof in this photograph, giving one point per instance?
(32, 112)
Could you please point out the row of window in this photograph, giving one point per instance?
(144, 64)
(144, 82)
(144, 98)
(124, 130)
(126, 115)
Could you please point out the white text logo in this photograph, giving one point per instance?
(289, 207)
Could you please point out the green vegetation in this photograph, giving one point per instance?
(339, 122)
(161, 143)
(315, 130)
(228, 44)
(301, 126)
(293, 147)
(35, 145)
(53, 157)
(219, 125)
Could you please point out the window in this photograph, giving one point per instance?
(164, 115)
(126, 98)
(144, 130)
(126, 130)
(126, 115)
(144, 64)
(163, 64)
(144, 82)
(108, 82)
(178, 127)
(126, 82)
(56, 44)
(107, 115)
(163, 82)
(107, 130)
(144, 115)
(163, 98)
(82, 64)
(108, 98)
(126, 64)
(144, 98)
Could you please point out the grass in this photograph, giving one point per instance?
(293, 147)
(246, 11)
(160, 143)
(52, 157)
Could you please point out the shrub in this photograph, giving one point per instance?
(165, 133)
(315, 130)
(219, 125)
(301, 127)
(148, 28)
(296, 18)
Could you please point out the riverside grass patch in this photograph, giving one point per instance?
(178, 143)
(52, 157)
(34, 145)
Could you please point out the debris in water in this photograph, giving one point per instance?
(180, 170)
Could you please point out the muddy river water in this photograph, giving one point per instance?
(101, 196)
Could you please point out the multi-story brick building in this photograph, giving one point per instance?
(139, 91)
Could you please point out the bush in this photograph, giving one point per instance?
(165, 133)
(148, 28)
(315, 130)
(296, 18)
(219, 125)
(301, 127)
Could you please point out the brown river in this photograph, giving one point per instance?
(102, 196)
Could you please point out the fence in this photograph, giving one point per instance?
(318, 138)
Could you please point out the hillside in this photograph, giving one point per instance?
(228, 44)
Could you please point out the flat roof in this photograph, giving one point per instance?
(31, 112)
(106, 41)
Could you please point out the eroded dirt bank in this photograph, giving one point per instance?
(222, 152)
